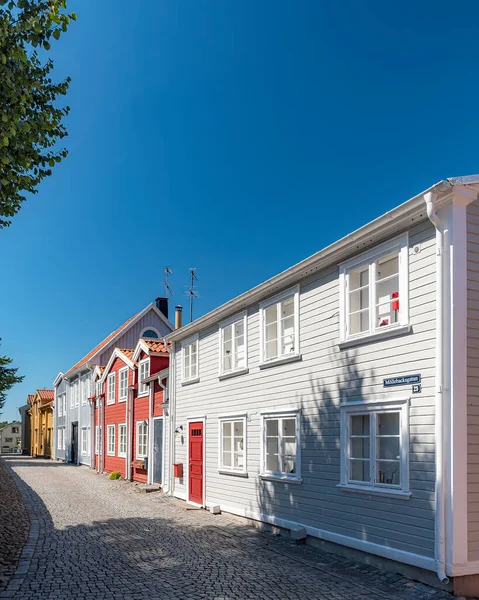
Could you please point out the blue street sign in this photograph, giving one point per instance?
(401, 380)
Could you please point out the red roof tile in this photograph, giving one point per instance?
(100, 346)
(46, 394)
(30, 398)
(155, 345)
(128, 352)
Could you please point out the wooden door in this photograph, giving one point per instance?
(196, 463)
(158, 451)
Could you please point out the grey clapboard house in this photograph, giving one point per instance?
(341, 395)
(74, 433)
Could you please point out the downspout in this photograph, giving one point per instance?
(172, 418)
(102, 432)
(55, 425)
(129, 429)
(151, 386)
(430, 198)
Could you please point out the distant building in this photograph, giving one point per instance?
(41, 422)
(25, 429)
(11, 438)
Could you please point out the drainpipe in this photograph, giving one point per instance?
(430, 198)
(129, 431)
(151, 386)
(172, 418)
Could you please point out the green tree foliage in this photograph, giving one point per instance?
(8, 377)
(30, 120)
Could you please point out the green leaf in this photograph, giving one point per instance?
(5, 160)
(51, 162)
(6, 141)
(46, 45)
(74, 16)
(56, 34)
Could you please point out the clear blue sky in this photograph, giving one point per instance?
(234, 137)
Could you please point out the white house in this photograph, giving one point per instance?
(341, 395)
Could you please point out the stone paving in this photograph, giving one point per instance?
(93, 538)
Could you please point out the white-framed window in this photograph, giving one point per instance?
(60, 439)
(232, 451)
(97, 438)
(375, 445)
(63, 438)
(374, 290)
(77, 392)
(99, 389)
(190, 359)
(71, 391)
(85, 390)
(233, 345)
(84, 440)
(123, 384)
(64, 399)
(122, 440)
(279, 320)
(60, 405)
(143, 372)
(281, 450)
(141, 439)
(111, 440)
(111, 388)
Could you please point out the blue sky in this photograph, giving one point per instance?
(234, 137)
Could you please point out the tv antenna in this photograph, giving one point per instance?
(192, 293)
(168, 292)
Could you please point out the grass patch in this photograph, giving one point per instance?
(114, 475)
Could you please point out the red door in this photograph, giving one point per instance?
(196, 463)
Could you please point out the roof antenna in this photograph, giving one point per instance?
(192, 293)
(168, 292)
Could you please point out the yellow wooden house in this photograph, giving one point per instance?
(41, 422)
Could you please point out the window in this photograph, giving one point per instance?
(374, 290)
(123, 374)
(14, 429)
(144, 372)
(98, 389)
(97, 438)
(279, 318)
(60, 439)
(111, 388)
(149, 333)
(8, 440)
(64, 399)
(233, 445)
(190, 360)
(63, 439)
(84, 440)
(59, 406)
(111, 440)
(233, 345)
(281, 446)
(375, 446)
(141, 439)
(77, 392)
(122, 440)
(85, 390)
(71, 391)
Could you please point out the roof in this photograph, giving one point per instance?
(155, 345)
(387, 225)
(46, 394)
(30, 398)
(101, 345)
(128, 352)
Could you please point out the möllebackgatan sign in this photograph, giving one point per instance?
(401, 380)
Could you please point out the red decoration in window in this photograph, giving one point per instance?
(395, 303)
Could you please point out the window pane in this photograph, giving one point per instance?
(289, 465)
(238, 444)
(289, 446)
(360, 425)
(388, 266)
(387, 447)
(388, 472)
(227, 333)
(388, 423)
(271, 349)
(387, 300)
(227, 444)
(238, 428)
(289, 427)
(272, 445)
(272, 463)
(239, 328)
(359, 447)
(193, 371)
(227, 459)
(238, 460)
(227, 429)
(271, 314)
(272, 427)
(358, 322)
(359, 470)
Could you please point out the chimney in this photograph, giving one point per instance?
(178, 316)
(162, 305)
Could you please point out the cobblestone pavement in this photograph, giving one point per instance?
(94, 538)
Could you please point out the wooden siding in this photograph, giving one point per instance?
(115, 414)
(325, 377)
(473, 379)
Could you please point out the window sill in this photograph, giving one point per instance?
(389, 493)
(296, 480)
(233, 374)
(110, 454)
(110, 403)
(190, 381)
(373, 337)
(144, 395)
(121, 400)
(233, 473)
(280, 361)
(121, 455)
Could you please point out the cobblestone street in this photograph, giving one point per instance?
(94, 538)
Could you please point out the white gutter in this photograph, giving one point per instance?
(129, 431)
(440, 522)
(171, 415)
(149, 476)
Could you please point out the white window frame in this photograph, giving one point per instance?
(122, 427)
(65, 404)
(222, 327)
(226, 469)
(98, 388)
(60, 439)
(294, 293)
(97, 438)
(59, 407)
(111, 428)
(369, 259)
(143, 388)
(372, 408)
(84, 441)
(111, 388)
(121, 372)
(274, 475)
(63, 438)
(77, 392)
(140, 455)
(188, 378)
(71, 390)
